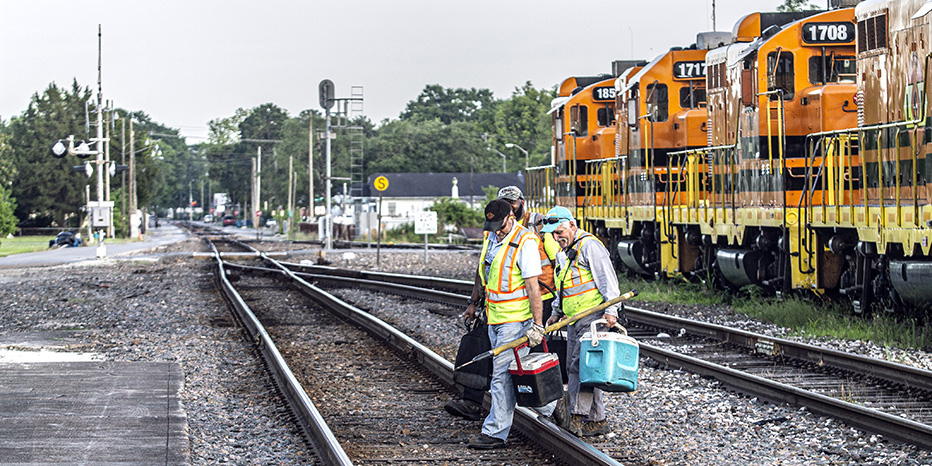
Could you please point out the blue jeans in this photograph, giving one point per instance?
(498, 423)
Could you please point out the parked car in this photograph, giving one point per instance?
(66, 239)
(229, 220)
(271, 223)
(208, 218)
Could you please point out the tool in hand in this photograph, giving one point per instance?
(563, 323)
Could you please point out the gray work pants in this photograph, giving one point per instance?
(586, 401)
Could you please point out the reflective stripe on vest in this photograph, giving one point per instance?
(546, 262)
(505, 291)
(579, 291)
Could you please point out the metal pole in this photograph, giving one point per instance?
(310, 167)
(123, 175)
(328, 216)
(101, 249)
(378, 235)
(132, 181)
(258, 206)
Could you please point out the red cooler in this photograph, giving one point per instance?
(536, 378)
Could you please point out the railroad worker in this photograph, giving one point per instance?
(585, 278)
(509, 265)
(469, 406)
(547, 246)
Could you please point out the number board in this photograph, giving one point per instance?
(603, 93)
(841, 32)
(689, 69)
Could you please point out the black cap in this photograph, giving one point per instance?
(496, 212)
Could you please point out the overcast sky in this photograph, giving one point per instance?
(188, 62)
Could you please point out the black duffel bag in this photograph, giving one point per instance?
(476, 341)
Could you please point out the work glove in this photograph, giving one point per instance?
(535, 335)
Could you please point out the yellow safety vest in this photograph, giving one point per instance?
(505, 293)
(548, 250)
(577, 285)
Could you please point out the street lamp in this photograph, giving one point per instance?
(504, 170)
(526, 157)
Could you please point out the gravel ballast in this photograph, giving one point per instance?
(168, 309)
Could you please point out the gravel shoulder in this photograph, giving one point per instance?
(167, 309)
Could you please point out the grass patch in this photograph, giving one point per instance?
(833, 320)
(680, 292)
(21, 244)
(802, 316)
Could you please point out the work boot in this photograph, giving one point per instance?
(593, 428)
(575, 427)
(484, 442)
(465, 409)
(561, 413)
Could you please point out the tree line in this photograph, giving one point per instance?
(441, 130)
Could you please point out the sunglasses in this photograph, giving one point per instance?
(552, 220)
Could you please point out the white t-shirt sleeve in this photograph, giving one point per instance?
(529, 259)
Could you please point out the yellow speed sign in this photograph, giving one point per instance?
(380, 183)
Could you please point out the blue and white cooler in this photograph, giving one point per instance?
(608, 360)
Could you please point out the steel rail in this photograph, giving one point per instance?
(870, 419)
(310, 420)
(564, 445)
(771, 346)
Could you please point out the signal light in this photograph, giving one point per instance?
(59, 148)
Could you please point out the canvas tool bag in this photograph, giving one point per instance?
(475, 342)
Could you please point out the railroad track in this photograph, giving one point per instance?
(411, 427)
(879, 396)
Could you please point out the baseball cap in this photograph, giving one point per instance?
(510, 193)
(555, 217)
(496, 212)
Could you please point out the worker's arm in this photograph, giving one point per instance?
(533, 293)
(474, 298)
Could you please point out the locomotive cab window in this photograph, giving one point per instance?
(657, 101)
(691, 97)
(780, 74)
(579, 120)
(837, 69)
(605, 115)
(558, 128)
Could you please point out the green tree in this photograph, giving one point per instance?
(797, 5)
(8, 220)
(46, 188)
(429, 146)
(449, 105)
(523, 120)
(456, 213)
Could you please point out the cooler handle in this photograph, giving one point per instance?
(518, 358)
(595, 336)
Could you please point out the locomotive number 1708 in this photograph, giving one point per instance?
(828, 33)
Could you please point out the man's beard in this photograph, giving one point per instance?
(519, 214)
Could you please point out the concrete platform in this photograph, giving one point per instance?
(96, 412)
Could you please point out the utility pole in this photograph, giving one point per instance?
(99, 158)
(133, 222)
(123, 175)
